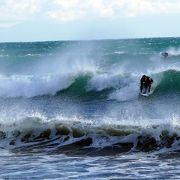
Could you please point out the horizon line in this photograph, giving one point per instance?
(105, 39)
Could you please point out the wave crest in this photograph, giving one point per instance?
(75, 138)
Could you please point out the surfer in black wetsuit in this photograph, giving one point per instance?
(165, 54)
(146, 83)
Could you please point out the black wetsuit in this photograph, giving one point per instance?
(146, 82)
(165, 54)
(142, 83)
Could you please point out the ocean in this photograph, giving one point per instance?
(72, 110)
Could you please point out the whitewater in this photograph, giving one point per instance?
(72, 109)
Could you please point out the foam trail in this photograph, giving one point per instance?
(173, 51)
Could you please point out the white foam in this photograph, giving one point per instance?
(28, 86)
(105, 80)
(173, 51)
(47, 77)
(129, 92)
(119, 52)
(125, 85)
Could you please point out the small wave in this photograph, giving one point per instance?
(119, 52)
(33, 55)
(4, 55)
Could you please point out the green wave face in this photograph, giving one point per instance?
(170, 81)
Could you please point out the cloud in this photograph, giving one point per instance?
(79, 9)
(135, 8)
(8, 24)
(13, 12)
(66, 15)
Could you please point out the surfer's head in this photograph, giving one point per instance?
(144, 77)
(165, 54)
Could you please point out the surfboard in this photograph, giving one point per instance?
(144, 94)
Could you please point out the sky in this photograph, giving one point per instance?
(46, 20)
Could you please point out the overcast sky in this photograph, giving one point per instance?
(41, 20)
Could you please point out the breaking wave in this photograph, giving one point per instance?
(86, 84)
(34, 135)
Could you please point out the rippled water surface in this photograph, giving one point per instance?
(132, 166)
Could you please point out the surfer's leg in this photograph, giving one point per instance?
(141, 88)
(145, 88)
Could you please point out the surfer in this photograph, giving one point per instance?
(146, 83)
(165, 54)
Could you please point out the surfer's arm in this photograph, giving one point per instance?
(151, 80)
(149, 87)
(141, 87)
